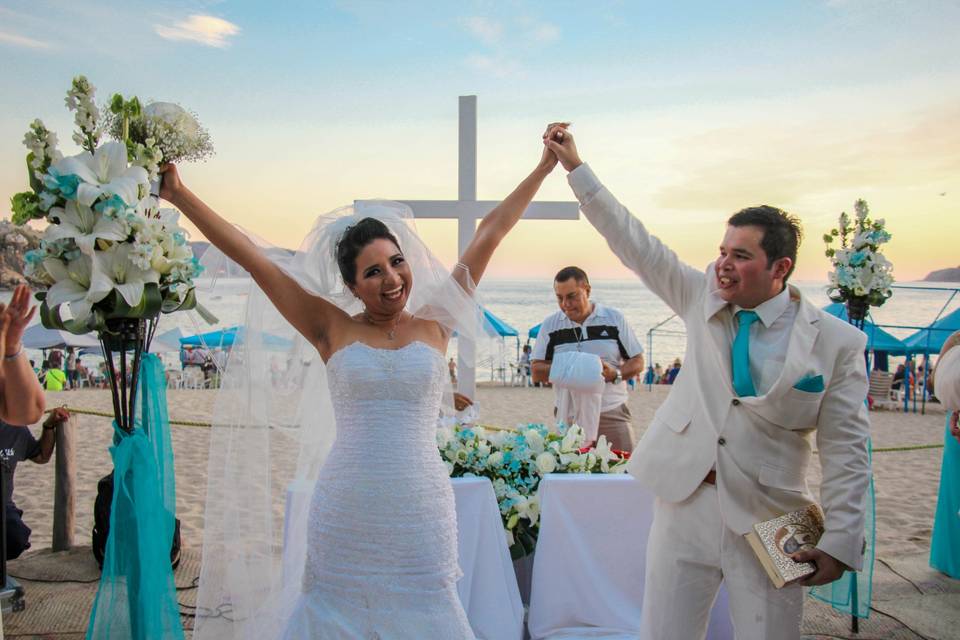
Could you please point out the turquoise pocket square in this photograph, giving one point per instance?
(810, 384)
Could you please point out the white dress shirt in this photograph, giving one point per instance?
(769, 338)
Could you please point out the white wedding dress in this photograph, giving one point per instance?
(382, 533)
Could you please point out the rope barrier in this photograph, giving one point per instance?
(207, 425)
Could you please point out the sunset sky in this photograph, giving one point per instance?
(688, 111)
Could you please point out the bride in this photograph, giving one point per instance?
(371, 551)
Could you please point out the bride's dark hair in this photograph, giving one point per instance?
(354, 239)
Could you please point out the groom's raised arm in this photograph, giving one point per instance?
(675, 282)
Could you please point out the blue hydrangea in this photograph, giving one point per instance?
(66, 185)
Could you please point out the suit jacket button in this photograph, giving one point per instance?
(722, 441)
(736, 402)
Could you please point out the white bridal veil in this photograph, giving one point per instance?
(273, 425)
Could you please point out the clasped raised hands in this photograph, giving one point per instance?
(558, 139)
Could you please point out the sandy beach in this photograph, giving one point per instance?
(906, 481)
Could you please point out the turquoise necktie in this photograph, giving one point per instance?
(740, 355)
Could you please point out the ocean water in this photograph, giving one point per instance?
(525, 303)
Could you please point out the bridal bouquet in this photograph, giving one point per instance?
(515, 461)
(109, 250)
(861, 274)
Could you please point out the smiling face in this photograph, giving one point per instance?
(384, 280)
(574, 299)
(743, 274)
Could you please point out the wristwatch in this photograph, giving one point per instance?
(618, 378)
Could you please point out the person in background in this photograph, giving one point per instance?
(16, 445)
(525, 365)
(55, 379)
(594, 328)
(452, 368)
(71, 368)
(673, 372)
(945, 541)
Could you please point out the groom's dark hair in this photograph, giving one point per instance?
(781, 232)
(352, 242)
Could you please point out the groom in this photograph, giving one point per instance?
(767, 378)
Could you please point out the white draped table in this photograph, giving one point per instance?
(591, 553)
(488, 588)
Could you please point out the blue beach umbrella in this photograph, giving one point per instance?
(230, 336)
(931, 339)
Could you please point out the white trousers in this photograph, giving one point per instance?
(690, 551)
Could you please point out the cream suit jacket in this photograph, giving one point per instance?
(761, 446)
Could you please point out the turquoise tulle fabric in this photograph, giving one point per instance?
(945, 545)
(853, 592)
(136, 598)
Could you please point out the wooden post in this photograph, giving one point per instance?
(64, 492)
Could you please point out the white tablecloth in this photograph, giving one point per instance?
(589, 566)
(488, 588)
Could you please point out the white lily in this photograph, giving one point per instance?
(84, 226)
(572, 439)
(112, 269)
(528, 507)
(105, 171)
(72, 286)
(604, 453)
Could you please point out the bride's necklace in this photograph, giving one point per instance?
(391, 333)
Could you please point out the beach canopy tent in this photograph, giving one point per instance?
(497, 326)
(39, 337)
(230, 336)
(534, 331)
(877, 338)
(930, 340)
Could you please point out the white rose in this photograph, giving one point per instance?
(546, 462)
(495, 459)
(175, 116)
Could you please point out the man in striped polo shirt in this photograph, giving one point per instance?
(591, 327)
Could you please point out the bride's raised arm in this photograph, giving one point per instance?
(311, 315)
(496, 224)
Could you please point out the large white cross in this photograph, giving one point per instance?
(466, 209)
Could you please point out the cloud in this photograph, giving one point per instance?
(545, 33)
(495, 65)
(207, 30)
(487, 31)
(23, 41)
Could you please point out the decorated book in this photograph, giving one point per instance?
(774, 541)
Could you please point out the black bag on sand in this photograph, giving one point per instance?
(101, 523)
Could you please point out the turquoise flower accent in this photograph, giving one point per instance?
(113, 206)
(64, 183)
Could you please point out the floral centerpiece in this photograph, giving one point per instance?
(109, 251)
(861, 275)
(516, 461)
(112, 262)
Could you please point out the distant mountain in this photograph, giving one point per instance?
(944, 275)
(14, 243)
